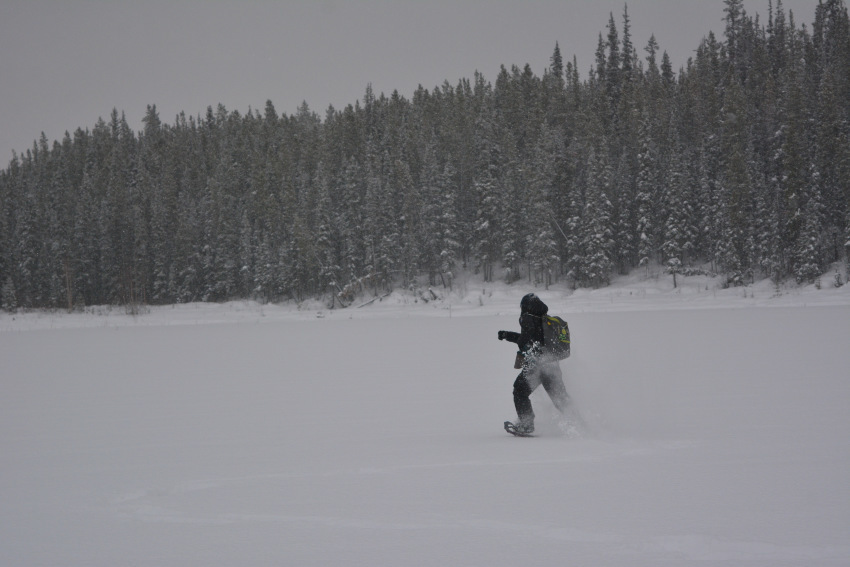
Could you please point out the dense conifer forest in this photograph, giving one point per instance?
(738, 163)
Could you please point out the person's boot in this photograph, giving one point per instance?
(525, 426)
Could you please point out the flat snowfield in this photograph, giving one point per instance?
(713, 437)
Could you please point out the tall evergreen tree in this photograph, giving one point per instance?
(647, 196)
(542, 247)
(597, 238)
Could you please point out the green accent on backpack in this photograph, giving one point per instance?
(556, 337)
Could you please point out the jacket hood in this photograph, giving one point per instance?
(532, 304)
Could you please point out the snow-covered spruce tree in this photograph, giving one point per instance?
(103, 288)
(486, 224)
(795, 163)
(613, 74)
(573, 228)
(299, 263)
(269, 278)
(163, 203)
(733, 215)
(351, 221)
(692, 198)
(593, 264)
(623, 134)
(448, 239)
(87, 226)
(832, 161)
(541, 243)
(808, 252)
(624, 216)
(513, 220)
(439, 223)
(46, 262)
(327, 240)
(647, 189)
(628, 54)
(655, 83)
(409, 224)
(735, 33)
(221, 229)
(698, 129)
(151, 166)
(83, 234)
(126, 234)
(727, 254)
(677, 234)
(380, 229)
(485, 186)
(640, 95)
(763, 224)
(458, 148)
(61, 220)
(430, 213)
(554, 91)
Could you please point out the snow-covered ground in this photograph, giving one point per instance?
(718, 432)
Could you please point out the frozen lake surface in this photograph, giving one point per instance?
(718, 433)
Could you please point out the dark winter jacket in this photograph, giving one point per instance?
(530, 337)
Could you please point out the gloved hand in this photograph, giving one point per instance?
(502, 335)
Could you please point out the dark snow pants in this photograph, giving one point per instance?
(549, 375)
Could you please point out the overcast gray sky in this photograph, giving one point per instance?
(65, 63)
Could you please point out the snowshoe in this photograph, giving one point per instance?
(520, 429)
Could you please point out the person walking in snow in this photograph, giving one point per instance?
(536, 369)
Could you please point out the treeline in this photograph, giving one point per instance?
(738, 163)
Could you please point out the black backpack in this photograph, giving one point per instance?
(556, 338)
